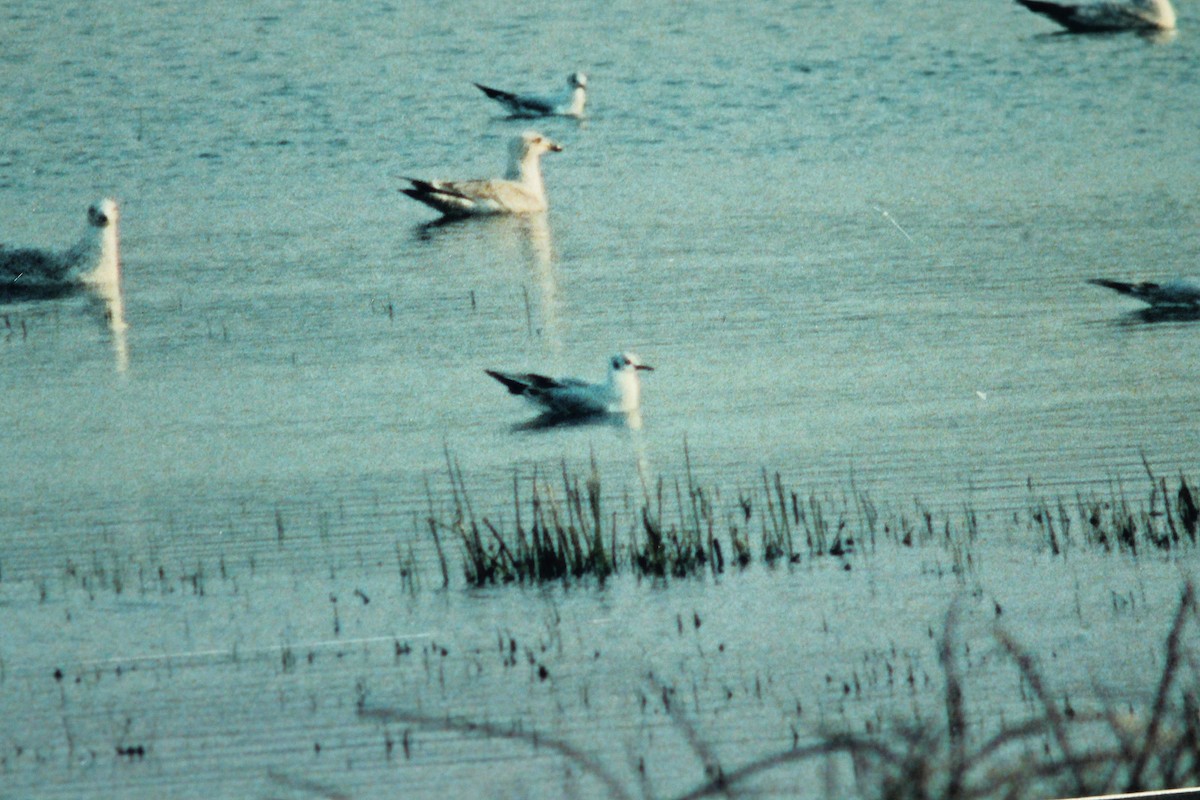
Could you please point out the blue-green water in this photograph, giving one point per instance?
(852, 239)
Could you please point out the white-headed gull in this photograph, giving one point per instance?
(1175, 293)
(93, 261)
(520, 191)
(1146, 15)
(571, 397)
(568, 104)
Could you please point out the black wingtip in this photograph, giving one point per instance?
(513, 386)
(417, 183)
(422, 188)
(1043, 7)
(490, 92)
(1063, 14)
(1118, 286)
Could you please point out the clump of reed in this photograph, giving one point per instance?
(566, 527)
(1167, 520)
(559, 537)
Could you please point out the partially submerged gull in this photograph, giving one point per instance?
(1178, 293)
(94, 261)
(1143, 15)
(571, 397)
(520, 191)
(569, 104)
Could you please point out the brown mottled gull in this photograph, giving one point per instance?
(520, 191)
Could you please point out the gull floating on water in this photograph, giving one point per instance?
(1144, 15)
(569, 104)
(521, 191)
(93, 262)
(571, 397)
(1178, 293)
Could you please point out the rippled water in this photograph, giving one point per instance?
(853, 240)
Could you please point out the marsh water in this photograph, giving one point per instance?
(853, 239)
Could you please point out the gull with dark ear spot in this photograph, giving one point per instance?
(1104, 17)
(621, 393)
(94, 261)
(521, 191)
(569, 104)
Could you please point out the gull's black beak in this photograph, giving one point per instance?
(645, 367)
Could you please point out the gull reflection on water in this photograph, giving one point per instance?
(540, 256)
(629, 422)
(109, 299)
(1152, 315)
(549, 420)
(1156, 314)
(530, 235)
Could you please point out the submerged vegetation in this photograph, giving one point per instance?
(1056, 751)
(564, 527)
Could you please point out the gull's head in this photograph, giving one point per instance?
(577, 80)
(103, 214)
(534, 142)
(628, 363)
(623, 378)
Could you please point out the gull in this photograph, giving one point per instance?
(1178, 293)
(92, 262)
(569, 104)
(1145, 15)
(520, 191)
(571, 397)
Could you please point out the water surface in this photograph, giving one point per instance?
(853, 240)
